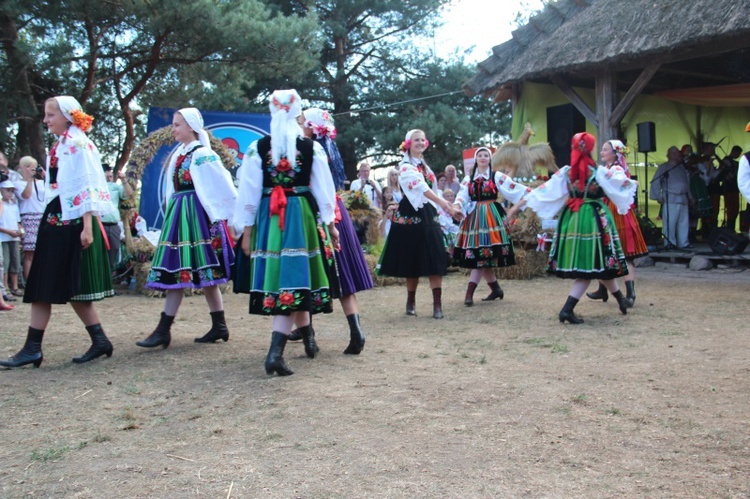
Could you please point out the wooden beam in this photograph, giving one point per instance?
(633, 92)
(575, 99)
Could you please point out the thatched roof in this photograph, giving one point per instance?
(575, 37)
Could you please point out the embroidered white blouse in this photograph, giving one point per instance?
(511, 190)
(550, 197)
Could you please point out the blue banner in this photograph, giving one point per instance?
(236, 130)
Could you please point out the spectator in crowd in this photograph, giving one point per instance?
(31, 194)
(451, 179)
(10, 235)
(111, 222)
(12, 175)
(441, 184)
(670, 186)
(365, 184)
(394, 185)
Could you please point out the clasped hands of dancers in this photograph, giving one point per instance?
(299, 250)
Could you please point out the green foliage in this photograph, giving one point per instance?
(122, 56)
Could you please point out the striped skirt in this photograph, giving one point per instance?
(586, 244)
(62, 270)
(629, 230)
(483, 241)
(192, 252)
(289, 270)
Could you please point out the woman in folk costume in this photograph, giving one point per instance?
(354, 274)
(70, 262)
(414, 246)
(483, 242)
(194, 249)
(631, 238)
(286, 194)
(586, 245)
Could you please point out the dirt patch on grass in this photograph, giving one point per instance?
(495, 400)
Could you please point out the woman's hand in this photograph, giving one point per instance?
(246, 236)
(87, 237)
(334, 236)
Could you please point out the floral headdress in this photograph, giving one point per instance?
(620, 151)
(406, 144)
(320, 122)
(285, 106)
(71, 109)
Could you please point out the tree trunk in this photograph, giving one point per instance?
(26, 111)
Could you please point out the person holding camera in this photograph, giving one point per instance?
(30, 192)
(365, 184)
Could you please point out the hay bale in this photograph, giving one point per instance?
(529, 263)
(372, 261)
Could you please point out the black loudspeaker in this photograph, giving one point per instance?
(725, 241)
(646, 137)
(562, 123)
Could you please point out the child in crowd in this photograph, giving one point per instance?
(10, 235)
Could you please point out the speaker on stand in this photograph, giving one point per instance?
(646, 144)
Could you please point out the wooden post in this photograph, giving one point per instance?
(605, 104)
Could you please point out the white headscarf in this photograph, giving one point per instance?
(67, 105)
(285, 106)
(194, 119)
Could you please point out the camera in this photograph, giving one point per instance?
(3, 177)
(39, 172)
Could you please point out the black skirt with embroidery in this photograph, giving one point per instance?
(414, 247)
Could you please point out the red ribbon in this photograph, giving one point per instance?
(575, 204)
(278, 204)
(104, 234)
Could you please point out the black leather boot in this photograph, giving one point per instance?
(411, 298)
(630, 287)
(295, 336)
(308, 339)
(218, 331)
(31, 353)
(437, 303)
(275, 359)
(356, 336)
(567, 314)
(497, 292)
(623, 302)
(161, 335)
(469, 298)
(599, 294)
(100, 345)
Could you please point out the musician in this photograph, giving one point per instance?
(708, 172)
(729, 188)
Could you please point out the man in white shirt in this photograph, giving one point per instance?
(364, 184)
(671, 188)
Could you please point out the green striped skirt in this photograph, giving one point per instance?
(586, 244)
